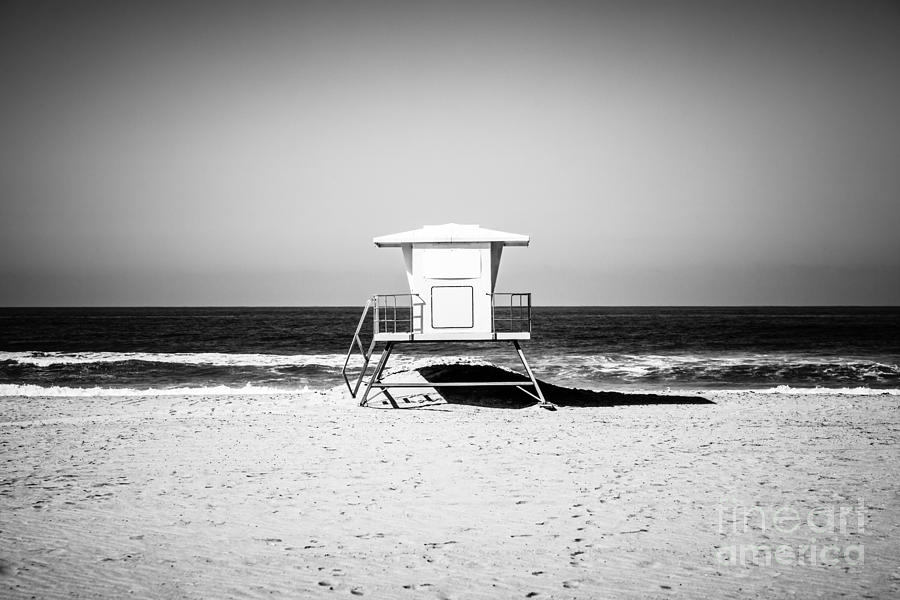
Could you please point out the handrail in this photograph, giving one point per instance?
(357, 341)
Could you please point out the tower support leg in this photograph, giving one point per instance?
(540, 395)
(379, 368)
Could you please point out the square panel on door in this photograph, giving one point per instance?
(452, 306)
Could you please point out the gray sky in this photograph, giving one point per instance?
(657, 153)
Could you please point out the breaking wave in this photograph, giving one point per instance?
(219, 359)
(746, 369)
(104, 373)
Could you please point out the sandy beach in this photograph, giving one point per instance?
(310, 495)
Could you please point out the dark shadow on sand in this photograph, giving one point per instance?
(511, 397)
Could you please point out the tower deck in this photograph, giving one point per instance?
(493, 336)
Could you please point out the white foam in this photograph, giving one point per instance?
(631, 364)
(788, 390)
(14, 389)
(335, 361)
(635, 366)
(47, 359)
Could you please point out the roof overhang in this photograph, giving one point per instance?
(450, 233)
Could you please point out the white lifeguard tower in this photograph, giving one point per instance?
(451, 270)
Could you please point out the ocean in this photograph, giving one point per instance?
(100, 351)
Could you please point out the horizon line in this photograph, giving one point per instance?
(99, 306)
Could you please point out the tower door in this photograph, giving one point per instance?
(452, 306)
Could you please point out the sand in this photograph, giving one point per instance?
(310, 495)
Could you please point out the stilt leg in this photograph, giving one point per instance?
(376, 376)
(537, 388)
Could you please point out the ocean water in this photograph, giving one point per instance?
(96, 351)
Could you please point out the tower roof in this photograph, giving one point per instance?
(450, 233)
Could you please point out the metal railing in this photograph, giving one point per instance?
(398, 313)
(511, 312)
(366, 354)
(404, 313)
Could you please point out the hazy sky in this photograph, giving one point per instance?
(246, 153)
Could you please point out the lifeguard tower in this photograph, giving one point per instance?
(451, 270)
